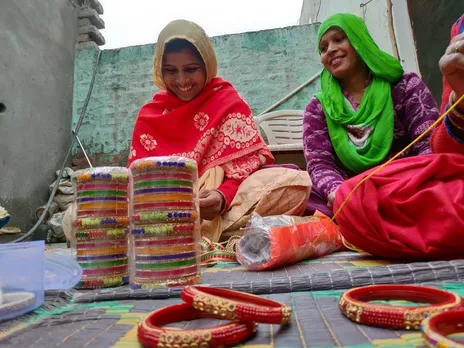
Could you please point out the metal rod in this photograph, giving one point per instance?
(83, 150)
(291, 94)
(365, 4)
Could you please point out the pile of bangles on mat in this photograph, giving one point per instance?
(440, 317)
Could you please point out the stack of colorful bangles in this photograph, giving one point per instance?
(444, 315)
(164, 223)
(101, 219)
(244, 311)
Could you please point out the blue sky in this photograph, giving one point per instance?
(137, 22)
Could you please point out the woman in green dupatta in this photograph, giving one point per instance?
(368, 109)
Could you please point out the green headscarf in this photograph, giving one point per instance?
(376, 109)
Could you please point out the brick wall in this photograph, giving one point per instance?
(263, 66)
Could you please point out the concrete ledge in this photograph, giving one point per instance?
(83, 38)
(93, 33)
(84, 22)
(86, 45)
(92, 16)
(95, 4)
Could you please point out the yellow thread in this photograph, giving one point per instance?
(332, 220)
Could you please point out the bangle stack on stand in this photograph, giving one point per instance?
(164, 222)
(100, 219)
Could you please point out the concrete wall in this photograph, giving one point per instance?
(314, 11)
(264, 66)
(388, 22)
(37, 50)
(431, 23)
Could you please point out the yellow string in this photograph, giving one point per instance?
(388, 162)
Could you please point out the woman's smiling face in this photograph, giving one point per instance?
(338, 55)
(184, 73)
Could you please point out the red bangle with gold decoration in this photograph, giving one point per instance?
(234, 305)
(355, 305)
(152, 334)
(436, 328)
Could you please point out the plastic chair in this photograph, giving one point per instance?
(283, 129)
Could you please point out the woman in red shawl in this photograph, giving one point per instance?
(414, 207)
(201, 116)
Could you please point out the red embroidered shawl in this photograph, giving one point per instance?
(215, 128)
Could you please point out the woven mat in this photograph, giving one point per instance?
(316, 322)
(337, 271)
(54, 300)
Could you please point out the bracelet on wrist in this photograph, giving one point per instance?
(452, 100)
(223, 203)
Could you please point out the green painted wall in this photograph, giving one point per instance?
(263, 66)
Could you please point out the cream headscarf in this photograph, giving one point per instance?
(182, 29)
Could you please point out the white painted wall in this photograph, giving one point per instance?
(395, 38)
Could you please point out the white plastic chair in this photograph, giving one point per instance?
(283, 129)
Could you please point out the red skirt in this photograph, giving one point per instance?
(412, 209)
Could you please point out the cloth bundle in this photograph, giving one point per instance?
(411, 210)
(276, 241)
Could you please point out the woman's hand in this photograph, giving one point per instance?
(452, 66)
(331, 199)
(211, 204)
